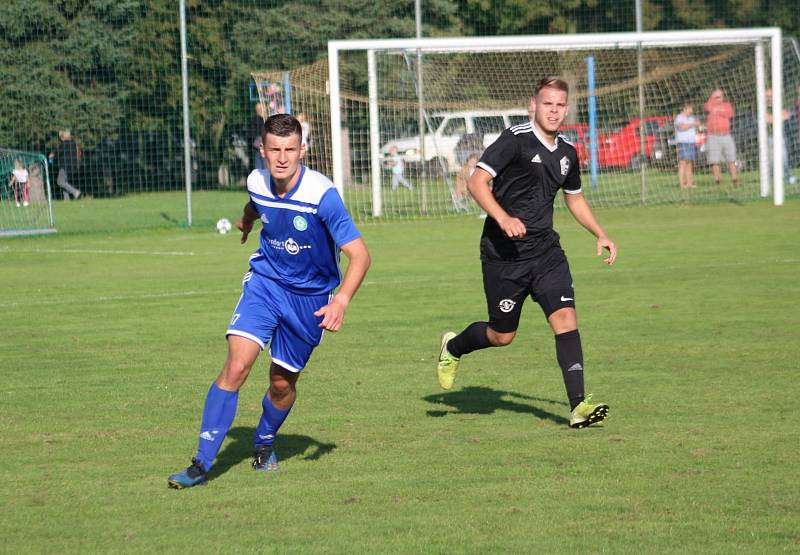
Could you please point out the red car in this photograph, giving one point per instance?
(622, 148)
(578, 135)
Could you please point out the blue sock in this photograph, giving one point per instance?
(218, 414)
(271, 420)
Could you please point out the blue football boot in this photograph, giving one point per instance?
(192, 476)
(264, 459)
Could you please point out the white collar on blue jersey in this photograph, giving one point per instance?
(290, 192)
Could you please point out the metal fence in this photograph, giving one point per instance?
(111, 73)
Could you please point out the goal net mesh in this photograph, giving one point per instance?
(25, 202)
(464, 99)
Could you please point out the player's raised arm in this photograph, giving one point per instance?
(577, 205)
(359, 262)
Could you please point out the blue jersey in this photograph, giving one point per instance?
(301, 232)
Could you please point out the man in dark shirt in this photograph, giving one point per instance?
(67, 157)
(256, 129)
(516, 183)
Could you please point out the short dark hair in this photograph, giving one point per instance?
(688, 102)
(553, 82)
(281, 125)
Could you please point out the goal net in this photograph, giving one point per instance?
(302, 92)
(398, 123)
(25, 199)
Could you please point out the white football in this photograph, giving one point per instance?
(224, 225)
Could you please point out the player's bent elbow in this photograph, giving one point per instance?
(359, 255)
(473, 186)
(366, 259)
(479, 180)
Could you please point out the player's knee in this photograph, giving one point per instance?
(281, 382)
(563, 320)
(498, 339)
(280, 387)
(235, 373)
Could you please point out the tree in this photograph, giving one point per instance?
(62, 65)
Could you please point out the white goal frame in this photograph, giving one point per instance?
(758, 37)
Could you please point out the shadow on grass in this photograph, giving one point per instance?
(485, 400)
(239, 446)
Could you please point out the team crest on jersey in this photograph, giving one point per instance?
(506, 305)
(300, 223)
(564, 165)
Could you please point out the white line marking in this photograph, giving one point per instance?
(111, 298)
(8, 250)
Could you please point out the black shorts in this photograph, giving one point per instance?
(546, 279)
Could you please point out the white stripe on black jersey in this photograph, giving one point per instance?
(521, 128)
(561, 137)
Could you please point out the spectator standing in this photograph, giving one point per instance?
(256, 127)
(685, 136)
(721, 147)
(68, 160)
(306, 127)
(786, 115)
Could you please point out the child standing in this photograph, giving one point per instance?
(398, 169)
(19, 183)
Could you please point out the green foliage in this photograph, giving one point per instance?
(684, 14)
(105, 68)
(64, 68)
(154, 70)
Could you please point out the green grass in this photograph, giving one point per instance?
(167, 210)
(110, 342)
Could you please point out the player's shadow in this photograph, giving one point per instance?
(485, 400)
(170, 219)
(239, 446)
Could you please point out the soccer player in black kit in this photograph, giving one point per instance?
(515, 183)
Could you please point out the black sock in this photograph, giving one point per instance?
(471, 339)
(570, 359)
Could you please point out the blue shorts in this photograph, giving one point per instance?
(268, 312)
(687, 151)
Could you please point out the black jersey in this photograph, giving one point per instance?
(527, 175)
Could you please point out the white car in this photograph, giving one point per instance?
(445, 151)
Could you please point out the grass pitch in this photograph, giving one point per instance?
(110, 342)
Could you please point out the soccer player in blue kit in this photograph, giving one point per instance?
(288, 295)
(516, 182)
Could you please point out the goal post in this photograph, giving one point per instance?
(678, 64)
(26, 206)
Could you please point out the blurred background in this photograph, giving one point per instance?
(110, 72)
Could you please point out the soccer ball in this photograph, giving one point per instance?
(223, 226)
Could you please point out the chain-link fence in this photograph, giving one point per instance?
(110, 74)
